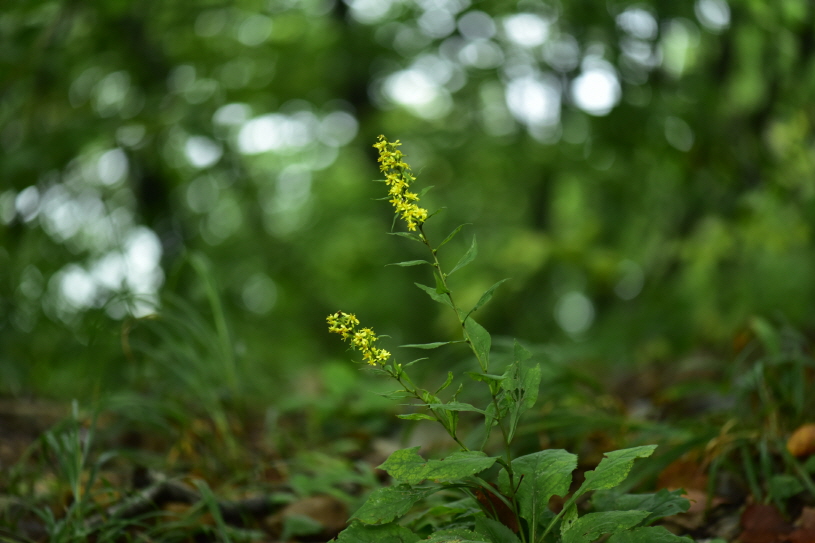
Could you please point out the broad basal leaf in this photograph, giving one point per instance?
(614, 468)
(495, 531)
(545, 474)
(662, 504)
(654, 534)
(389, 503)
(456, 535)
(591, 526)
(386, 533)
(407, 466)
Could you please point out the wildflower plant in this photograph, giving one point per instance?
(514, 507)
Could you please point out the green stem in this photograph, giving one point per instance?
(484, 364)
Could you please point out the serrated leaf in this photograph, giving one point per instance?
(459, 465)
(434, 345)
(389, 503)
(441, 298)
(485, 297)
(452, 235)
(614, 468)
(468, 257)
(653, 534)
(406, 465)
(545, 474)
(408, 235)
(455, 406)
(480, 340)
(495, 531)
(409, 263)
(416, 416)
(592, 525)
(386, 533)
(661, 504)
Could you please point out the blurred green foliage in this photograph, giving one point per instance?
(645, 173)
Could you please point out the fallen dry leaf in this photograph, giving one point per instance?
(805, 527)
(802, 441)
(762, 523)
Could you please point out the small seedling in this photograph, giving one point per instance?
(514, 508)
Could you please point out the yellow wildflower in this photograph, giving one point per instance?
(398, 177)
(362, 340)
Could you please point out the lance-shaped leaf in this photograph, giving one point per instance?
(407, 235)
(386, 533)
(454, 406)
(468, 257)
(652, 534)
(545, 474)
(591, 526)
(407, 263)
(451, 235)
(441, 298)
(416, 416)
(389, 503)
(434, 345)
(447, 382)
(440, 287)
(480, 340)
(485, 297)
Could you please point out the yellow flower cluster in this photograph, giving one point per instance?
(399, 177)
(363, 340)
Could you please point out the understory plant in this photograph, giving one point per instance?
(512, 507)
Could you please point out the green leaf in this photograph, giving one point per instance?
(416, 416)
(495, 531)
(459, 465)
(545, 474)
(591, 526)
(386, 533)
(480, 340)
(455, 535)
(407, 466)
(783, 486)
(468, 257)
(386, 504)
(452, 235)
(435, 345)
(654, 534)
(455, 406)
(425, 190)
(520, 353)
(413, 361)
(531, 386)
(662, 504)
(614, 468)
(485, 377)
(485, 297)
(440, 288)
(441, 298)
(409, 263)
(408, 235)
(446, 382)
